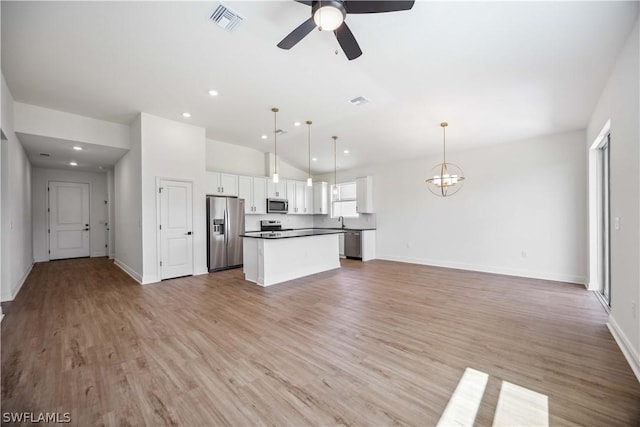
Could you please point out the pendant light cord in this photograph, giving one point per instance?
(309, 146)
(275, 138)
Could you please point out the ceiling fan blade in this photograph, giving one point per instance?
(307, 2)
(375, 6)
(298, 34)
(348, 42)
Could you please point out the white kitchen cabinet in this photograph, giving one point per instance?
(300, 198)
(321, 198)
(308, 199)
(364, 194)
(254, 192)
(368, 243)
(341, 245)
(222, 184)
(277, 190)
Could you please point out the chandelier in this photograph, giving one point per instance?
(446, 179)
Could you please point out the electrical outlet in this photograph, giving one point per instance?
(616, 223)
(524, 254)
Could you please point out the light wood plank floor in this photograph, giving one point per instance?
(377, 343)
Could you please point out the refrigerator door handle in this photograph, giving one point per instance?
(226, 226)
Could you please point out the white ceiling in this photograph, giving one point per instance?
(92, 158)
(496, 71)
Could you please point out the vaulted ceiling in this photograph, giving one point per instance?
(496, 71)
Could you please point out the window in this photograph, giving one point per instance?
(344, 203)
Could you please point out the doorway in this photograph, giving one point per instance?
(175, 228)
(69, 230)
(604, 205)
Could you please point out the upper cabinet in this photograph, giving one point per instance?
(364, 194)
(254, 191)
(222, 184)
(300, 198)
(277, 190)
(321, 198)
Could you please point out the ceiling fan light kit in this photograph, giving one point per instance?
(446, 179)
(329, 15)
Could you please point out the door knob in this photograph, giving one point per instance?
(188, 233)
(86, 229)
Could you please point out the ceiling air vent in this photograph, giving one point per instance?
(226, 18)
(280, 131)
(45, 154)
(360, 100)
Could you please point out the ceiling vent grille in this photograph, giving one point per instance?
(361, 100)
(45, 154)
(226, 18)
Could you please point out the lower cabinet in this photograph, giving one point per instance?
(342, 246)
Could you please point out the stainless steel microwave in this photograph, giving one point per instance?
(277, 206)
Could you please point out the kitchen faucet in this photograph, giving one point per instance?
(341, 220)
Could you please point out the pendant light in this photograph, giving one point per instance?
(309, 180)
(334, 190)
(446, 178)
(275, 142)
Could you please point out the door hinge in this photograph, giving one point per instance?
(160, 226)
(49, 230)
(105, 246)
(48, 210)
(160, 263)
(160, 190)
(48, 189)
(105, 202)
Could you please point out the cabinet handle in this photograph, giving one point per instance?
(223, 189)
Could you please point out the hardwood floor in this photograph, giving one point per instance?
(377, 343)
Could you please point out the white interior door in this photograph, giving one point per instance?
(176, 237)
(68, 220)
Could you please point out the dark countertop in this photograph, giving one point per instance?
(346, 229)
(291, 233)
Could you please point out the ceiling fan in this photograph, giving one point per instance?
(329, 15)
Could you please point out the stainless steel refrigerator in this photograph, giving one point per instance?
(225, 224)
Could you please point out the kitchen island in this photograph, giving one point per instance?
(275, 257)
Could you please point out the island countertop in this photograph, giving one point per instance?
(285, 234)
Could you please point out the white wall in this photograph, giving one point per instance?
(111, 217)
(172, 150)
(128, 206)
(525, 197)
(40, 178)
(620, 103)
(17, 247)
(36, 120)
(225, 157)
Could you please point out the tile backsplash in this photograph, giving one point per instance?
(362, 221)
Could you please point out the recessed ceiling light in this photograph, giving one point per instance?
(346, 151)
(73, 163)
(264, 137)
(77, 148)
(314, 159)
(213, 92)
(296, 123)
(185, 114)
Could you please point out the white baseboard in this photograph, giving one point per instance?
(130, 271)
(17, 289)
(488, 269)
(625, 345)
(148, 279)
(97, 254)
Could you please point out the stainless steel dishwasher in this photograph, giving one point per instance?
(352, 244)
